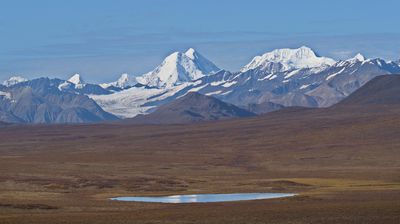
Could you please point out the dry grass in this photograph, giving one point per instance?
(345, 165)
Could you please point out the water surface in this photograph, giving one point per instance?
(203, 198)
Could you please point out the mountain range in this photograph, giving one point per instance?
(281, 78)
(272, 81)
(43, 101)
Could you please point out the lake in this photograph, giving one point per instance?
(205, 198)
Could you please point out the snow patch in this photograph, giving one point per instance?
(273, 77)
(214, 93)
(217, 83)
(63, 86)
(305, 86)
(14, 80)
(197, 89)
(226, 93)
(292, 73)
(229, 84)
(6, 95)
(335, 74)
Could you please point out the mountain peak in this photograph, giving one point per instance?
(123, 77)
(191, 53)
(76, 79)
(177, 68)
(123, 82)
(14, 80)
(289, 59)
(173, 57)
(358, 58)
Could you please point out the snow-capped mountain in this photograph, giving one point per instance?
(77, 81)
(358, 58)
(281, 78)
(310, 87)
(124, 81)
(178, 68)
(41, 101)
(345, 77)
(14, 80)
(286, 77)
(286, 59)
(76, 84)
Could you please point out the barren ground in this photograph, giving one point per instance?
(345, 166)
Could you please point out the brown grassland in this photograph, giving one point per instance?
(344, 163)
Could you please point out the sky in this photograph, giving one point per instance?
(101, 39)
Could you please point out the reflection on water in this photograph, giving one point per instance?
(202, 198)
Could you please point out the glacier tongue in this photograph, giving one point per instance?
(137, 100)
(286, 59)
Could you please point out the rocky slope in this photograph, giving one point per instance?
(191, 108)
(41, 101)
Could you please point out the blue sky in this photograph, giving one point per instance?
(101, 39)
